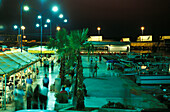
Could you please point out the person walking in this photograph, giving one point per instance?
(47, 62)
(45, 81)
(91, 70)
(52, 65)
(95, 69)
(18, 97)
(43, 97)
(100, 58)
(28, 82)
(29, 95)
(96, 59)
(35, 98)
(91, 59)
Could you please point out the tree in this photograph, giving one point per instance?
(77, 40)
(69, 47)
(60, 43)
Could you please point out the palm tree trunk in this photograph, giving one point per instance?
(62, 70)
(80, 93)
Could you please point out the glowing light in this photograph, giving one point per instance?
(45, 25)
(98, 28)
(142, 28)
(48, 20)
(164, 89)
(24, 36)
(15, 27)
(55, 9)
(37, 25)
(65, 20)
(61, 16)
(23, 27)
(39, 16)
(26, 8)
(58, 28)
(1, 27)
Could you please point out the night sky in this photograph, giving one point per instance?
(117, 18)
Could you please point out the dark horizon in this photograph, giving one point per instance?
(117, 18)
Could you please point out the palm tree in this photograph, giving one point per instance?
(60, 43)
(77, 41)
(70, 46)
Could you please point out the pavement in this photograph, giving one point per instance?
(107, 86)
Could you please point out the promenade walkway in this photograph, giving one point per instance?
(101, 89)
(108, 87)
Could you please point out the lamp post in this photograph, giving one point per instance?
(54, 9)
(58, 28)
(18, 34)
(21, 6)
(22, 28)
(142, 28)
(49, 21)
(37, 25)
(61, 16)
(45, 25)
(98, 29)
(65, 20)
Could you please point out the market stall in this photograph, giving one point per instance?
(14, 67)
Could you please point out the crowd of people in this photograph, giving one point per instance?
(47, 62)
(35, 98)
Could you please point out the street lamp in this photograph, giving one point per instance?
(55, 9)
(49, 21)
(45, 25)
(40, 18)
(18, 35)
(24, 37)
(37, 25)
(65, 20)
(98, 29)
(26, 8)
(58, 28)
(21, 6)
(61, 16)
(142, 28)
(22, 28)
(15, 27)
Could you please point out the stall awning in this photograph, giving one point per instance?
(30, 56)
(21, 56)
(1, 72)
(5, 67)
(12, 61)
(17, 59)
(9, 60)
